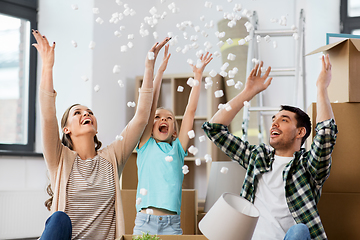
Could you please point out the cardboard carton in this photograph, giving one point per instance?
(344, 174)
(345, 61)
(170, 237)
(340, 215)
(187, 217)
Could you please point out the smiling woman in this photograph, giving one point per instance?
(17, 77)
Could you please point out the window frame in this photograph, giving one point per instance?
(25, 9)
(348, 24)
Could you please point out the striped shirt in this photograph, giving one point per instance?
(304, 175)
(90, 199)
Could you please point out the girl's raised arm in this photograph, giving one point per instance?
(157, 84)
(189, 115)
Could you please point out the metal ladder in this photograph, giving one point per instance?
(298, 71)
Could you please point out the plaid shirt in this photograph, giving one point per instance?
(304, 175)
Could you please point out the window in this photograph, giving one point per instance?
(17, 75)
(350, 16)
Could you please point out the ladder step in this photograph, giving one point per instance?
(260, 109)
(276, 33)
(281, 72)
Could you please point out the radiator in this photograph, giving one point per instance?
(22, 214)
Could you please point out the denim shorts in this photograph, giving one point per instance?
(159, 225)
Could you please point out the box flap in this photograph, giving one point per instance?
(326, 47)
(356, 43)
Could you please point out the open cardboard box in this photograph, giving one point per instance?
(170, 237)
(345, 61)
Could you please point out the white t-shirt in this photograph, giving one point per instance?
(275, 217)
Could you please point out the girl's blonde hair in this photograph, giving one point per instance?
(66, 141)
(176, 125)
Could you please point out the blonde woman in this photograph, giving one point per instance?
(86, 201)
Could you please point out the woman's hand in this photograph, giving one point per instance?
(45, 50)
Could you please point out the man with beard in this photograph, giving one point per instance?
(282, 180)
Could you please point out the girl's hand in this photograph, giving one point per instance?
(155, 49)
(165, 61)
(204, 61)
(45, 50)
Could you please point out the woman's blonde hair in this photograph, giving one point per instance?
(66, 141)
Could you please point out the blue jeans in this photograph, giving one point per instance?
(298, 232)
(159, 225)
(57, 227)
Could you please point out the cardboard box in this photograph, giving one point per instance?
(345, 169)
(340, 215)
(345, 61)
(170, 237)
(188, 209)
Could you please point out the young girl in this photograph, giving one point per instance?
(161, 153)
(86, 202)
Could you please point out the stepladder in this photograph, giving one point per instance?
(296, 72)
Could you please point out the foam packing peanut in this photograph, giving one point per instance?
(151, 55)
(231, 74)
(223, 73)
(143, 191)
(149, 211)
(74, 43)
(116, 69)
(85, 78)
(138, 201)
(230, 82)
(123, 48)
(169, 158)
(193, 150)
(131, 104)
(97, 88)
(208, 157)
(191, 134)
(224, 170)
(99, 20)
(212, 73)
(130, 45)
(121, 84)
(96, 10)
(208, 4)
(228, 107)
(92, 45)
(119, 137)
(238, 85)
(229, 41)
(231, 57)
(185, 171)
(224, 66)
(208, 85)
(202, 138)
(74, 6)
(180, 89)
(197, 161)
(219, 93)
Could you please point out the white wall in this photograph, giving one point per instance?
(60, 23)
